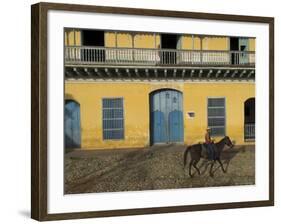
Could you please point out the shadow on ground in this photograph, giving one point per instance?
(156, 167)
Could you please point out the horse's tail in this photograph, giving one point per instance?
(185, 155)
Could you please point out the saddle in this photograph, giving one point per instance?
(205, 152)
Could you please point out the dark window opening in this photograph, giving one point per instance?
(234, 43)
(249, 111)
(242, 48)
(249, 119)
(95, 40)
(234, 46)
(169, 41)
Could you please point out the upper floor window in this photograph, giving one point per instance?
(93, 38)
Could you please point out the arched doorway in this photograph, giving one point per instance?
(249, 119)
(166, 116)
(72, 136)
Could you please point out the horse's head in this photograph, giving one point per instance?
(228, 142)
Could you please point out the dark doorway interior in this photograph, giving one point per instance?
(169, 41)
(234, 46)
(234, 43)
(249, 111)
(249, 119)
(93, 38)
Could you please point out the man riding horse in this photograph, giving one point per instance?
(196, 152)
(209, 144)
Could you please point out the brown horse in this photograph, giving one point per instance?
(196, 154)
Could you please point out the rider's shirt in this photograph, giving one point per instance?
(208, 139)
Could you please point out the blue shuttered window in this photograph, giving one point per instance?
(113, 118)
(216, 116)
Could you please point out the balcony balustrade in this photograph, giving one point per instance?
(162, 57)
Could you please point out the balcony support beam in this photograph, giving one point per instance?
(191, 73)
(128, 73)
(147, 73)
(200, 73)
(108, 72)
(175, 73)
(69, 72)
(218, 73)
(183, 73)
(79, 72)
(209, 74)
(137, 72)
(98, 72)
(88, 71)
(156, 73)
(250, 74)
(226, 74)
(242, 73)
(234, 73)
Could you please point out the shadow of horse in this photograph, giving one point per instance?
(226, 157)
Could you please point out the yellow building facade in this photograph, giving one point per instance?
(163, 91)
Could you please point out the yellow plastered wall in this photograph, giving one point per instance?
(72, 37)
(215, 43)
(136, 110)
(252, 44)
(188, 44)
(109, 39)
(145, 40)
(124, 40)
(138, 40)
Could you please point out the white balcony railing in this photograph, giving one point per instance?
(139, 56)
(249, 131)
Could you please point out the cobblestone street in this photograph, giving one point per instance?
(156, 167)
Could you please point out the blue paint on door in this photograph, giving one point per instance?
(166, 117)
(176, 126)
(72, 134)
(158, 122)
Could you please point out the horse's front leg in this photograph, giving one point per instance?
(190, 165)
(223, 170)
(195, 166)
(211, 168)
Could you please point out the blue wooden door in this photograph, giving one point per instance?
(176, 126)
(158, 121)
(72, 134)
(166, 116)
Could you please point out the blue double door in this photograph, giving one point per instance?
(166, 116)
(72, 136)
